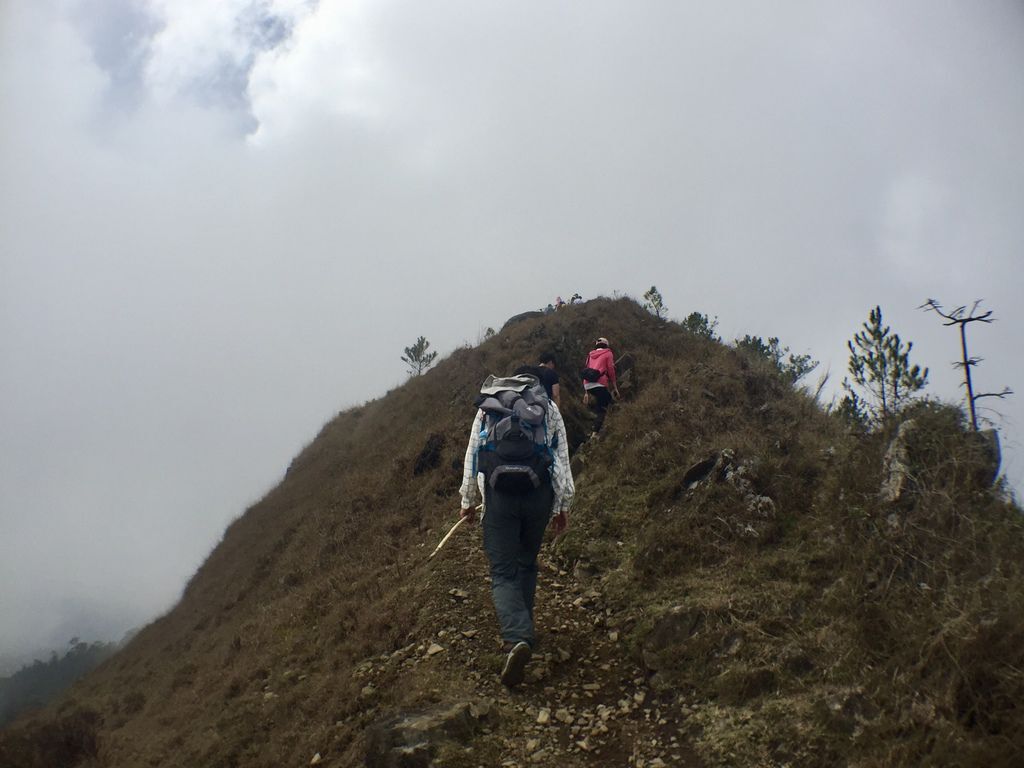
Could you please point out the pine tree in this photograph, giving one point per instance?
(793, 369)
(880, 365)
(655, 304)
(417, 357)
(700, 324)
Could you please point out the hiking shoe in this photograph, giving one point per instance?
(514, 671)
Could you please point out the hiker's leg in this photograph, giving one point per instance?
(602, 399)
(536, 511)
(600, 406)
(502, 535)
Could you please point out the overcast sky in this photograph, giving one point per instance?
(221, 222)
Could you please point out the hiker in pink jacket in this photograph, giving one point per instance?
(598, 377)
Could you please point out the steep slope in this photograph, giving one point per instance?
(732, 591)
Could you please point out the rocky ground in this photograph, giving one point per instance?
(585, 701)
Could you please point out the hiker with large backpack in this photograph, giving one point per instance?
(518, 459)
(598, 374)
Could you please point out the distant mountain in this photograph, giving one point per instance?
(12, 662)
(33, 685)
(735, 589)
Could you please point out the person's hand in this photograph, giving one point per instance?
(560, 522)
(586, 398)
(469, 515)
(617, 395)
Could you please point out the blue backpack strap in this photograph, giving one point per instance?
(482, 445)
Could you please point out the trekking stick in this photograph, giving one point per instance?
(448, 535)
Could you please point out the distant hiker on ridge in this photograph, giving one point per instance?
(518, 456)
(598, 374)
(545, 371)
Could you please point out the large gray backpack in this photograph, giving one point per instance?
(514, 454)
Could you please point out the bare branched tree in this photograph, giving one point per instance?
(961, 317)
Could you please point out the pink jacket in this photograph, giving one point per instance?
(604, 361)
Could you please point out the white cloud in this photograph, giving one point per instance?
(326, 69)
(190, 51)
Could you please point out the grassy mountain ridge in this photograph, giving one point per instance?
(730, 574)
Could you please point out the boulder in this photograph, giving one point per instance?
(896, 464)
(976, 452)
(411, 740)
(659, 649)
(520, 317)
(989, 456)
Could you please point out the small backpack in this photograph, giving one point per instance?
(589, 372)
(514, 454)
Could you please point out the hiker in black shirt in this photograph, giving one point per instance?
(548, 376)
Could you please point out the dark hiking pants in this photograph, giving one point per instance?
(600, 400)
(513, 532)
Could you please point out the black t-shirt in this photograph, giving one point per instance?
(547, 376)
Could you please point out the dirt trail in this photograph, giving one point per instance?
(584, 701)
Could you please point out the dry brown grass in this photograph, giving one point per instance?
(832, 630)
